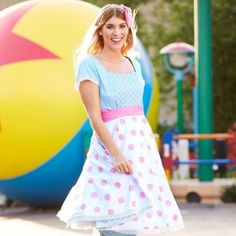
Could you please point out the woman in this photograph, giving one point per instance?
(122, 189)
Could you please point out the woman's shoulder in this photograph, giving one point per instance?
(136, 62)
(86, 65)
(87, 60)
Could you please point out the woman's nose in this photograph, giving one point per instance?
(116, 31)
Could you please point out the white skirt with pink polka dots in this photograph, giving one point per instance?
(131, 204)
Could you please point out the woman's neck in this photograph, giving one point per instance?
(110, 55)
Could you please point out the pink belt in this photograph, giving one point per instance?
(108, 115)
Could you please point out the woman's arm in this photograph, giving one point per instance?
(89, 93)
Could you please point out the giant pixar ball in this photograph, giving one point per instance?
(43, 124)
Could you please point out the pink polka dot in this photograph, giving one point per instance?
(141, 144)
(110, 212)
(142, 194)
(117, 184)
(140, 174)
(100, 169)
(133, 132)
(122, 121)
(121, 200)
(97, 209)
(151, 172)
(121, 136)
(134, 118)
(113, 170)
(130, 162)
(103, 182)
(141, 159)
(142, 132)
(175, 217)
(94, 194)
(168, 203)
(160, 198)
(83, 206)
(131, 147)
(148, 147)
(135, 219)
(107, 197)
(90, 180)
(89, 168)
(116, 129)
(96, 156)
(144, 120)
(131, 187)
(106, 153)
(159, 213)
(150, 186)
(134, 203)
(148, 215)
(160, 189)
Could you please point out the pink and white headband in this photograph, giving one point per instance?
(127, 12)
(128, 15)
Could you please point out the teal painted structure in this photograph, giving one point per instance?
(203, 61)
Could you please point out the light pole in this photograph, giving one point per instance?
(178, 58)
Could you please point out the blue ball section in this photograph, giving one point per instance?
(49, 184)
(147, 72)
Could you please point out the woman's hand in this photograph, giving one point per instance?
(121, 164)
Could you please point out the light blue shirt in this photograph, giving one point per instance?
(116, 90)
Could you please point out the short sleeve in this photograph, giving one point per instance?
(86, 70)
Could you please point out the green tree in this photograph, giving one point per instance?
(224, 62)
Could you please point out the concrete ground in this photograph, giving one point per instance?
(200, 220)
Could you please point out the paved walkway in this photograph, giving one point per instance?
(200, 220)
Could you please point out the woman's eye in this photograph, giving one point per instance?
(123, 26)
(109, 26)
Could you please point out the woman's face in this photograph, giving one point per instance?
(114, 33)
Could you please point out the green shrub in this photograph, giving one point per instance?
(229, 194)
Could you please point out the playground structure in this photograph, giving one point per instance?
(179, 156)
(176, 152)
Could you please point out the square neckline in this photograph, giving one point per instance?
(116, 73)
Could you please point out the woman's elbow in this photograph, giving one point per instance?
(95, 120)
